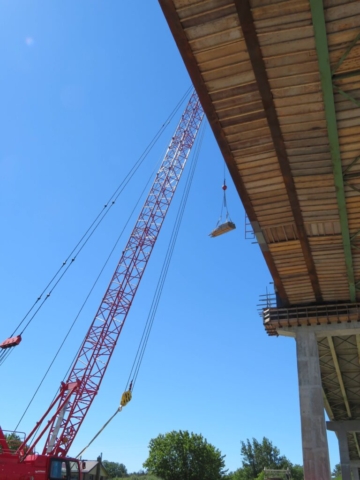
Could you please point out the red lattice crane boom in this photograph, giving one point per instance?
(89, 368)
(78, 392)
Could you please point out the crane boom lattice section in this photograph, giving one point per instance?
(100, 341)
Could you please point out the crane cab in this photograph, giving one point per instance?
(64, 469)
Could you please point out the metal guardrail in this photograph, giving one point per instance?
(275, 318)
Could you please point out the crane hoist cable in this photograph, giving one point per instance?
(100, 431)
(78, 392)
(156, 299)
(130, 384)
(223, 225)
(91, 290)
(82, 307)
(5, 352)
(86, 300)
(91, 229)
(125, 399)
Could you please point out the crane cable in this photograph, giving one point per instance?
(153, 309)
(100, 431)
(99, 218)
(92, 228)
(86, 300)
(224, 203)
(127, 395)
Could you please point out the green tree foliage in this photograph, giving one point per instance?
(239, 474)
(336, 473)
(184, 456)
(297, 472)
(138, 476)
(261, 476)
(115, 469)
(13, 440)
(259, 455)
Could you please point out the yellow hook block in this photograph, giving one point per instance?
(125, 398)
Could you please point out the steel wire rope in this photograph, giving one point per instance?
(171, 248)
(224, 201)
(143, 191)
(86, 300)
(99, 218)
(164, 271)
(116, 194)
(157, 295)
(81, 308)
(3, 357)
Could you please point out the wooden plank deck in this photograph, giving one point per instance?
(255, 66)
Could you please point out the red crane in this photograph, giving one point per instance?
(78, 392)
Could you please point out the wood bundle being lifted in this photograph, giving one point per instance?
(223, 228)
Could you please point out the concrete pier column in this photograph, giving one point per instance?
(344, 455)
(313, 429)
(342, 429)
(355, 473)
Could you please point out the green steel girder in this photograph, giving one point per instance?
(352, 187)
(347, 175)
(348, 96)
(349, 167)
(346, 53)
(355, 235)
(318, 19)
(340, 76)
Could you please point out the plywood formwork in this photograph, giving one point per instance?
(279, 81)
(275, 162)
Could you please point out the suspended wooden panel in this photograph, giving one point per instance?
(222, 228)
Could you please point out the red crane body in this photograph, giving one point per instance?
(77, 394)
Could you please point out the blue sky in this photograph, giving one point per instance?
(85, 87)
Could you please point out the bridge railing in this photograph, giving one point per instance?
(275, 318)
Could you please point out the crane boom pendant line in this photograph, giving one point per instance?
(91, 363)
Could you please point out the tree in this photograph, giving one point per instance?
(336, 473)
(141, 476)
(239, 474)
(115, 469)
(258, 455)
(184, 456)
(261, 476)
(138, 476)
(13, 440)
(297, 472)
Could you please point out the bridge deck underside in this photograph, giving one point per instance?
(279, 82)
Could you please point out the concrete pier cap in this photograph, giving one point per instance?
(332, 330)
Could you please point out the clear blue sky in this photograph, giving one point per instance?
(85, 85)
